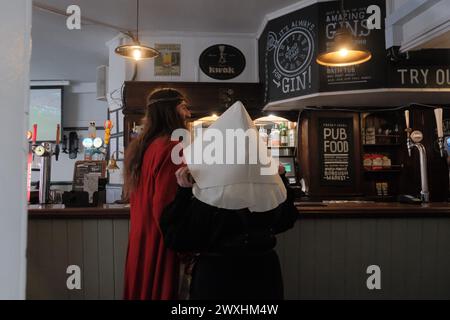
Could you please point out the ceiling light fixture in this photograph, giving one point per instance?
(343, 51)
(136, 51)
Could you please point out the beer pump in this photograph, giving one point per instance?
(413, 139)
(443, 142)
(45, 151)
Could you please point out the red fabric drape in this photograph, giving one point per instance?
(151, 270)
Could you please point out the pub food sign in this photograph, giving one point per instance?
(222, 62)
(336, 151)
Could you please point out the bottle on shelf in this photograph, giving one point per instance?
(283, 135)
(291, 134)
(263, 134)
(275, 136)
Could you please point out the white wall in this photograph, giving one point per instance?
(15, 17)
(412, 23)
(192, 45)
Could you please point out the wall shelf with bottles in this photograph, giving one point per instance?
(383, 153)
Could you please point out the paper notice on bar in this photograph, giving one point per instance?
(90, 184)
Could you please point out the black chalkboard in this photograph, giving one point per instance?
(289, 45)
(413, 70)
(371, 74)
(84, 167)
(336, 151)
(287, 51)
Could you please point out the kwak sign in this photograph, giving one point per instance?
(222, 62)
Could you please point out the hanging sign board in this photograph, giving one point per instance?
(222, 62)
(336, 151)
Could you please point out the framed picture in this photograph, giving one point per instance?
(168, 62)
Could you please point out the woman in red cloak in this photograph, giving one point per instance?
(152, 270)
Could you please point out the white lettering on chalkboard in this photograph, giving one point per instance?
(423, 77)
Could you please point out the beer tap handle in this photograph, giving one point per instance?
(438, 116)
(407, 119)
(58, 134)
(408, 132)
(440, 131)
(34, 136)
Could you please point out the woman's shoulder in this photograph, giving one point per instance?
(161, 145)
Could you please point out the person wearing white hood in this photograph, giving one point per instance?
(227, 214)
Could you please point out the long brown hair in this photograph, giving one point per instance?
(161, 119)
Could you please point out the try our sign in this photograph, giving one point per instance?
(222, 62)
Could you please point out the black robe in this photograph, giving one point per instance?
(235, 257)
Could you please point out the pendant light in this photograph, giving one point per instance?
(343, 51)
(136, 51)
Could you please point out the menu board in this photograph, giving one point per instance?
(82, 168)
(336, 151)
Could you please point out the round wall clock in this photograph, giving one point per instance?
(294, 52)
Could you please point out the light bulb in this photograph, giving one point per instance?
(87, 143)
(137, 54)
(343, 52)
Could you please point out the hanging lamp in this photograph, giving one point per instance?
(343, 52)
(136, 51)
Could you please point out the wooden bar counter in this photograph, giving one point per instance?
(330, 209)
(324, 256)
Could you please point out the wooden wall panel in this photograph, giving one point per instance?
(320, 258)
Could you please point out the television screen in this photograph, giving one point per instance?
(45, 111)
(288, 163)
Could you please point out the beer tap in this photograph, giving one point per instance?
(45, 151)
(413, 139)
(408, 133)
(440, 131)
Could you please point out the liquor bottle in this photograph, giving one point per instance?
(275, 136)
(291, 134)
(263, 134)
(283, 135)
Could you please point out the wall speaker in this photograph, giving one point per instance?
(102, 83)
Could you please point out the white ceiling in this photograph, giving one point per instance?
(61, 54)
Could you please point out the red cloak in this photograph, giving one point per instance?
(152, 270)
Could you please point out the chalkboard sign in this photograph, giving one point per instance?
(368, 75)
(413, 70)
(85, 167)
(289, 45)
(287, 50)
(336, 151)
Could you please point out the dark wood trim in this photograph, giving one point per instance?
(59, 211)
(307, 210)
(373, 210)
